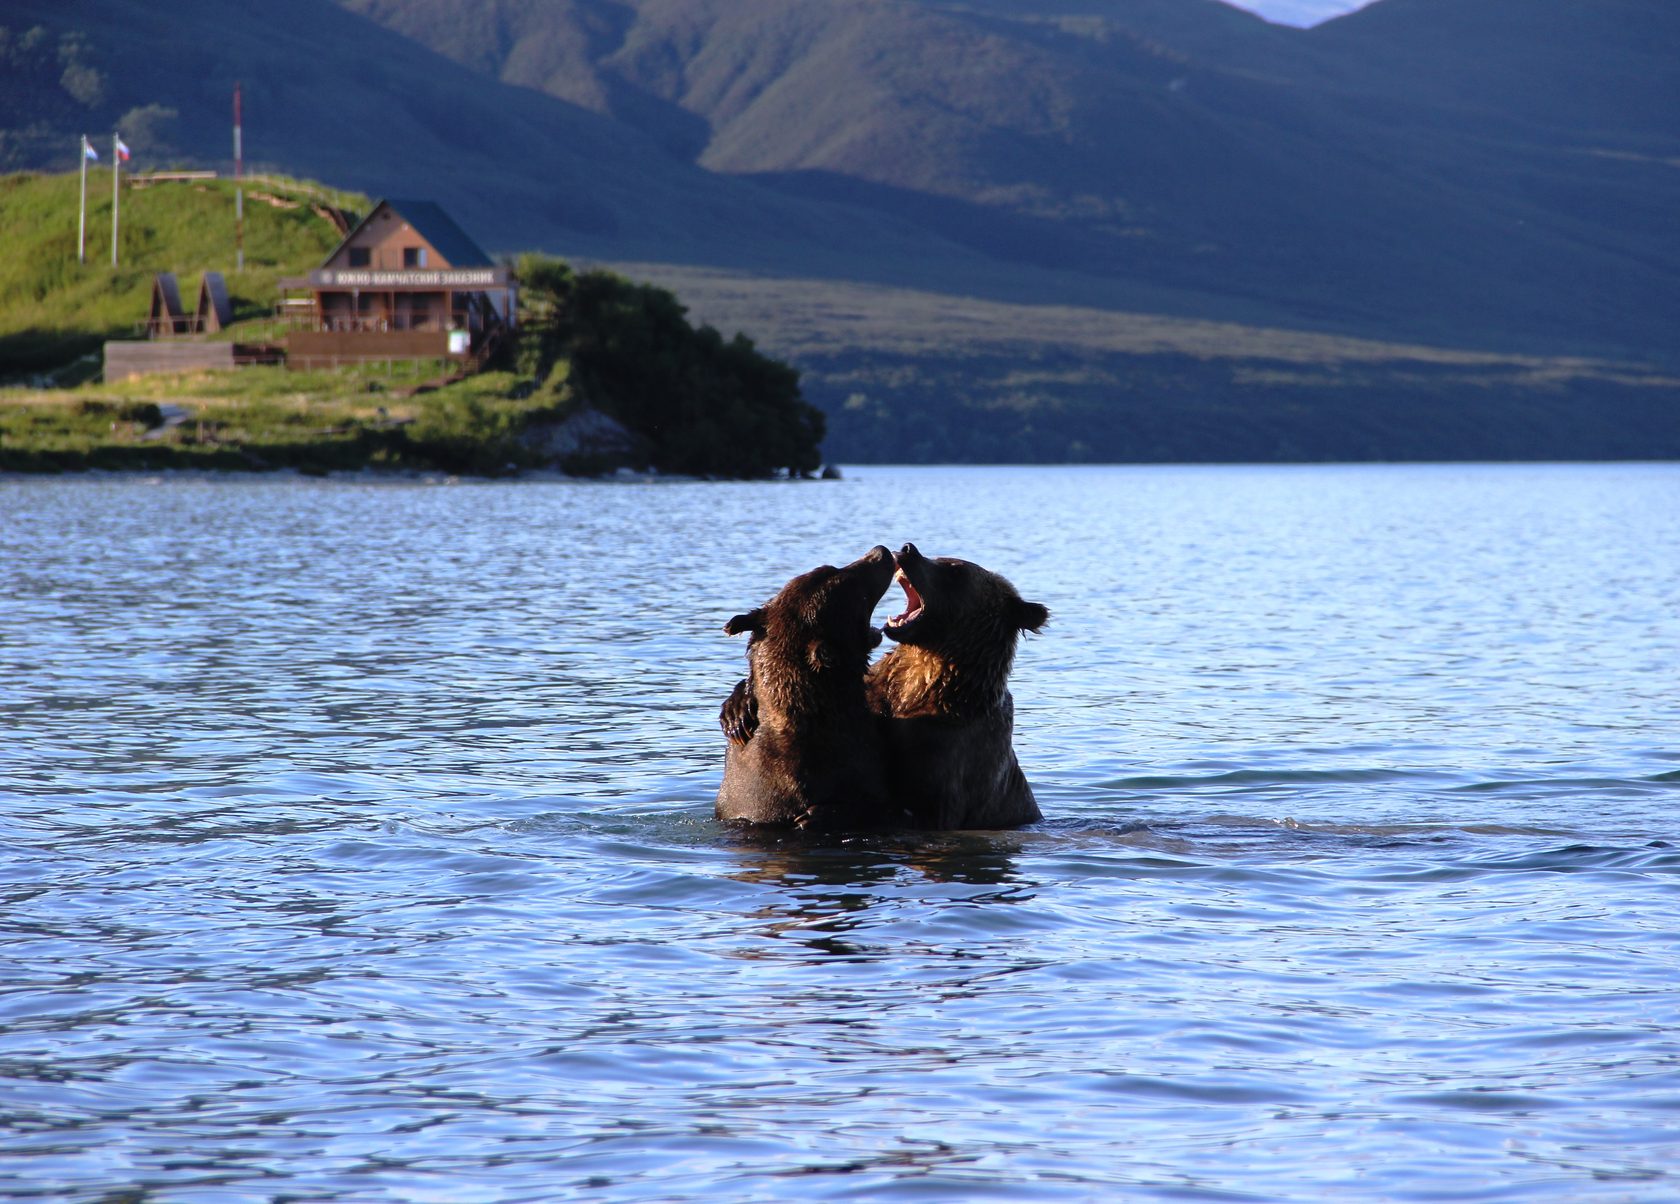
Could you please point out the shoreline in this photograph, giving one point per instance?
(626, 477)
(392, 476)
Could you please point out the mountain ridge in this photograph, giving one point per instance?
(1357, 178)
(330, 95)
(1251, 160)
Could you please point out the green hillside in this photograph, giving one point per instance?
(591, 346)
(54, 309)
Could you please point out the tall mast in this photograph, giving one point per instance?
(238, 182)
(116, 177)
(81, 225)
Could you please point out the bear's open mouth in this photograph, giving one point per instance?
(912, 601)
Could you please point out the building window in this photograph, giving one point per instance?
(414, 257)
(360, 257)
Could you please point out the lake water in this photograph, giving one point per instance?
(358, 846)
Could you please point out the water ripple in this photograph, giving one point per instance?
(357, 846)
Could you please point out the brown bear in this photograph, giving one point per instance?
(943, 695)
(804, 750)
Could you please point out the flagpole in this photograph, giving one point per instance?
(238, 181)
(116, 177)
(81, 225)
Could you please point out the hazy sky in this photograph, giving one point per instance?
(1299, 12)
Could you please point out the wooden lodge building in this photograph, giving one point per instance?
(405, 283)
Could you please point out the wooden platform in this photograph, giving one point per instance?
(126, 359)
(329, 348)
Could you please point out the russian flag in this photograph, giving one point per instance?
(87, 149)
(122, 150)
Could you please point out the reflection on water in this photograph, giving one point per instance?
(828, 890)
(358, 846)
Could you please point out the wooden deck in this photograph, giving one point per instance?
(144, 358)
(330, 348)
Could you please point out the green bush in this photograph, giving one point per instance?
(705, 406)
(466, 434)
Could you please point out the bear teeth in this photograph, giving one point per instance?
(913, 600)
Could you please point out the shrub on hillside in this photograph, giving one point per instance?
(706, 405)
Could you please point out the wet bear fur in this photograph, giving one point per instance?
(804, 750)
(943, 698)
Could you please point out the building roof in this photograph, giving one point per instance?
(215, 307)
(166, 297)
(432, 224)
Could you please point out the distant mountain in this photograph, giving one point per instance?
(332, 95)
(1608, 69)
(1480, 173)
(1182, 144)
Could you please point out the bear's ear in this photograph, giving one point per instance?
(819, 656)
(1031, 616)
(752, 621)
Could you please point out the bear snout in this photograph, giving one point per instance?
(874, 566)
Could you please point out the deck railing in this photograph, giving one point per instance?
(377, 324)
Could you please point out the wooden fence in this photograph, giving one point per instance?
(126, 359)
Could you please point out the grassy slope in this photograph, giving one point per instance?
(263, 418)
(395, 416)
(53, 309)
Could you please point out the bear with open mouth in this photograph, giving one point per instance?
(943, 699)
(804, 749)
